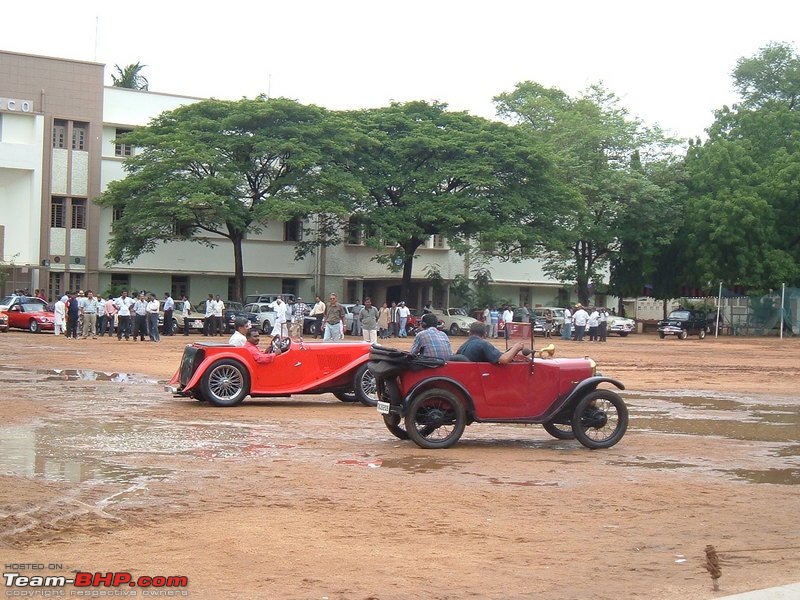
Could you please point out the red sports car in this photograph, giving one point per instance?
(432, 401)
(32, 315)
(224, 375)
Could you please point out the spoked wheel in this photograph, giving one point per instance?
(435, 419)
(396, 425)
(348, 396)
(600, 419)
(226, 383)
(365, 386)
(560, 431)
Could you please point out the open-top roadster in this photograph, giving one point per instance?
(224, 375)
(431, 401)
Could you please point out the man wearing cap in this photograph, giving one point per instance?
(239, 337)
(403, 312)
(430, 341)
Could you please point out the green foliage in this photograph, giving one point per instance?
(419, 170)
(609, 194)
(130, 77)
(744, 182)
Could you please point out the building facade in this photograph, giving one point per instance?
(58, 125)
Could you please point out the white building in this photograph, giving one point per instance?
(57, 153)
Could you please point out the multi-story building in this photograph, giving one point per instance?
(58, 125)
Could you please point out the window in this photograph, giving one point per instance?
(78, 214)
(59, 133)
(289, 286)
(437, 241)
(355, 232)
(116, 213)
(79, 136)
(293, 230)
(120, 281)
(57, 212)
(231, 288)
(121, 149)
(180, 286)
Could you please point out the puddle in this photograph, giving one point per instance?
(528, 483)
(18, 375)
(418, 464)
(775, 476)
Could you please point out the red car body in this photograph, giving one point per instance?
(31, 316)
(224, 375)
(431, 401)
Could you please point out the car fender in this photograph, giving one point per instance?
(208, 360)
(584, 387)
(446, 382)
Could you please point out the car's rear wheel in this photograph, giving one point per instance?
(662, 335)
(560, 431)
(174, 326)
(266, 326)
(34, 326)
(396, 426)
(684, 334)
(454, 329)
(600, 419)
(226, 383)
(365, 386)
(435, 419)
(702, 334)
(623, 334)
(348, 396)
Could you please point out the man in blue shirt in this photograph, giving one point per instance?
(477, 349)
(430, 341)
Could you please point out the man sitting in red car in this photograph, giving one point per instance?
(260, 357)
(477, 349)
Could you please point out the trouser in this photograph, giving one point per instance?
(208, 325)
(89, 324)
(370, 335)
(333, 332)
(493, 330)
(218, 325)
(603, 331)
(579, 331)
(102, 323)
(566, 331)
(59, 328)
(152, 327)
(168, 322)
(296, 329)
(593, 330)
(402, 327)
(186, 325)
(124, 327)
(72, 327)
(139, 326)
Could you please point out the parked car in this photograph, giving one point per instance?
(431, 401)
(261, 315)
(521, 316)
(28, 312)
(197, 317)
(558, 316)
(3, 322)
(455, 321)
(683, 323)
(414, 323)
(267, 298)
(620, 326)
(232, 310)
(225, 375)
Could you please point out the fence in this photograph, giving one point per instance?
(776, 313)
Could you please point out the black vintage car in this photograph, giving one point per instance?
(683, 323)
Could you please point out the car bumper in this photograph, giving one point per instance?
(670, 330)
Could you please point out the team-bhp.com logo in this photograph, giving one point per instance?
(157, 585)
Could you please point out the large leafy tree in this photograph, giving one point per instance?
(744, 181)
(602, 159)
(422, 170)
(224, 168)
(130, 77)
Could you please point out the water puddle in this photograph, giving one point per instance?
(774, 476)
(418, 464)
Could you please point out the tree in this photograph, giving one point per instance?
(601, 158)
(744, 182)
(223, 168)
(420, 170)
(130, 77)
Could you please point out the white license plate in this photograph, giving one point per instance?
(383, 407)
(197, 324)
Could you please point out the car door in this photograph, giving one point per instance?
(505, 390)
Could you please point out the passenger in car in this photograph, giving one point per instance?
(477, 349)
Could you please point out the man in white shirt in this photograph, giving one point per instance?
(123, 304)
(185, 308)
(88, 308)
(579, 319)
(281, 316)
(153, 306)
(218, 308)
(508, 317)
(60, 316)
(169, 306)
(239, 337)
(566, 330)
(318, 312)
(208, 324)
(403, 313)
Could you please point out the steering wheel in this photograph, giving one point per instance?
(281, 343)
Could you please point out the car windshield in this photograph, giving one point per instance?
(31, 307)
(680, 315)
(456, 312)
(7, 301)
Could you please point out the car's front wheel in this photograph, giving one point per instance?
(34, 326)
(435, 419)
(226, 383)
(662, 335)
(702, 334)
(684, 334)
(396, 426)
(600, 419)
(559, 431)
(266, 326)
(623, 334)
(454, 329)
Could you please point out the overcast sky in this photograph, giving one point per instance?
(670, 62)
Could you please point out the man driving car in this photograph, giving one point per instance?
(477, 349)
(260, 357)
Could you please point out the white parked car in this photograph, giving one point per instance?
(455, 320)
(620, 325)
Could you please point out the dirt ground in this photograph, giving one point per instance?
(310, 497)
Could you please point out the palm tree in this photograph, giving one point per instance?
(130, 77)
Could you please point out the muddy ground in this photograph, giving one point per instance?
(309, 497)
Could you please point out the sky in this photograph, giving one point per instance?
(669, 62)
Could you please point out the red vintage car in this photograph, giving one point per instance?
(431, 401)
(29, 313)
(224, 375)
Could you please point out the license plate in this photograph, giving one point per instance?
(383, 407)
(197, 324)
